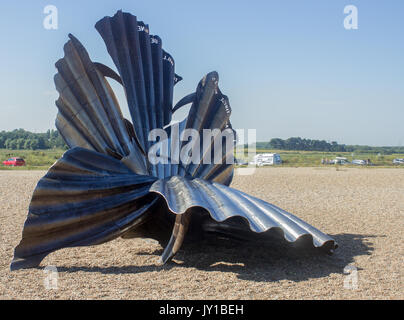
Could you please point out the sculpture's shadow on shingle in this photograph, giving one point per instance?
(275, 262)
(254, 262)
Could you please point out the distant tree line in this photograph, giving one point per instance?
(20, 139)
(297, 143)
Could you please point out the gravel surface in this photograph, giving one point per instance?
(361, 208)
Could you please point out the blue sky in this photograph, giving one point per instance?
(289, 67)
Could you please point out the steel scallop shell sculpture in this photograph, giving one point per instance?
(105, 186)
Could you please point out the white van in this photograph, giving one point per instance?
(266, 159)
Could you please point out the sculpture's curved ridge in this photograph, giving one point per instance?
(223, 203)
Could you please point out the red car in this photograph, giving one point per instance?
(15, 162)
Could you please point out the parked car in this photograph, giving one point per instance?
(398, 161)
(359, 162)
(340, 160)
(14, 162)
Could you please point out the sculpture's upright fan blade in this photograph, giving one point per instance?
(86, 198)
(89, 114)
(174, 132)
(147, 71)
(221, 169)
(164, 81)
(168, 86)
(211, 111)
(147, 65)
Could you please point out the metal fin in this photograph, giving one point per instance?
(177, 237)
